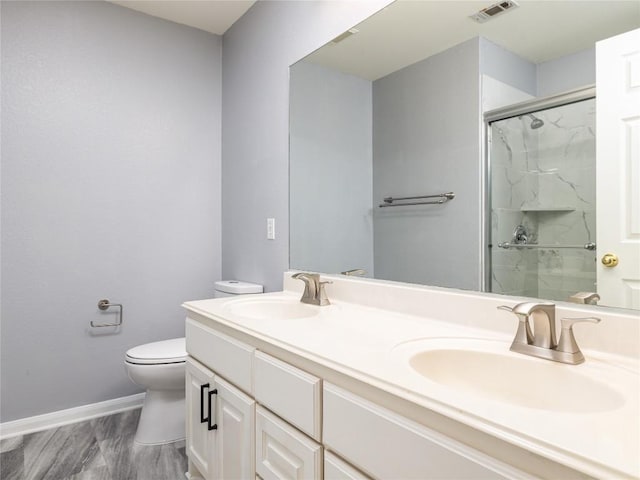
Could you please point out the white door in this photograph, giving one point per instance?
(618, 168)
(200, 440)
(235, 417)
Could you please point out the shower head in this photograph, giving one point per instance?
(535, 121)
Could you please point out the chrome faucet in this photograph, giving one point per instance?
(544, 322)
(589, 298)
(314, 293)
(359, 272)
(541, 342)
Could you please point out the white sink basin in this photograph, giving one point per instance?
(272, 309)
(487, 369)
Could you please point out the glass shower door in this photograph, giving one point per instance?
(542, 197)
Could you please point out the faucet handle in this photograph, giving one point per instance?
(569, 322)
(523, 334)
(567, 342)
(322, 298)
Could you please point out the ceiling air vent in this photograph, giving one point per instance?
(493, 11)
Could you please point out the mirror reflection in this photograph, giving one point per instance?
(543, 202)
(395, 108)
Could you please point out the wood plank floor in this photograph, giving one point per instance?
(98, 449)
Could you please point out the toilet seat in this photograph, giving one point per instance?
(156, 353)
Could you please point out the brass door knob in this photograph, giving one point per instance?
(610, 260)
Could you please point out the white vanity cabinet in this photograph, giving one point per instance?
(243, 437)
(284, 453)
(287, 445)
(337, 469)
(200, 440)
(218, 380)
(220, 425)
(286, 423)
(289, 392)
(235, 416)
(387, 445)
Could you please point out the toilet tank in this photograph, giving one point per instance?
(228, 288)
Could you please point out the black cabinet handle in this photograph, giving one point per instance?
(202, 417)
(210, 425)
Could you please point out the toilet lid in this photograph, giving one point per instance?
(236, 287)
(166, 351)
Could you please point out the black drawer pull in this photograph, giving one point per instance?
(210, 425)
(202, 417)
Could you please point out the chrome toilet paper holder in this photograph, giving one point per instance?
(104, 304)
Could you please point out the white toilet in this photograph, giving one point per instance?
(159, 367)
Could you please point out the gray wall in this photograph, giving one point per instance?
(258, 50)
(547, 78)
(111, 189)
(330, 170)
(426, 141)
(566, 73)
(509, 68)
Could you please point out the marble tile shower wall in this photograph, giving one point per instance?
(544, 179)
(513, 271)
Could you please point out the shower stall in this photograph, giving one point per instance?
(541, 193)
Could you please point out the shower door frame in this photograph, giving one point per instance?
(502, 113)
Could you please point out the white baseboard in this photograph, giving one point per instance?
(68, 416)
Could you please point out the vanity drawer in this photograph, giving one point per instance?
(282, 452)
(289, 392)
(337, 469)
(226, 356)
(387, 445)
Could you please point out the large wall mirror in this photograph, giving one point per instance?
(391, 127)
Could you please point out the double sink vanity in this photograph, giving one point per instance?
(392, 380)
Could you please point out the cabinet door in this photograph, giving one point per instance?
(200, 440)
(235, 417)
(282, 452)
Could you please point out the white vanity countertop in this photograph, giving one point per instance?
(374, 345)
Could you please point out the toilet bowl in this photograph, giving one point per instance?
(159, 367)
